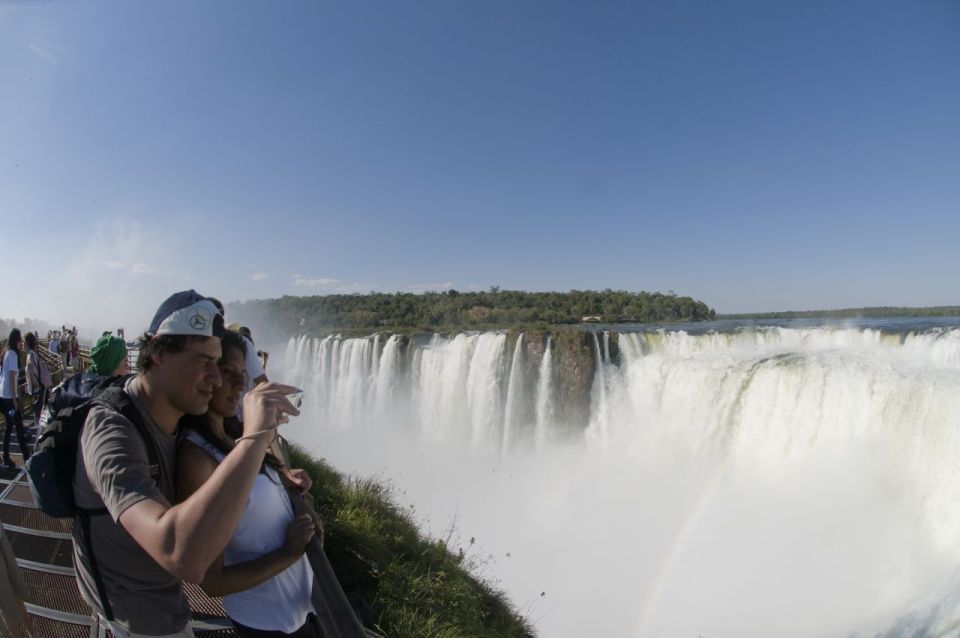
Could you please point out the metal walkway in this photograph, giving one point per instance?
(44, 550)
(43, 547)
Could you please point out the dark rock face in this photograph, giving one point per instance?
(615, 348)
(576, 366)
(573, 369)
(535, 344)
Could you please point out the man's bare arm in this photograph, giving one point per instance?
(185, 539)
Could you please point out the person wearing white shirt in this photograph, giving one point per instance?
(10, 397)
(263, 575)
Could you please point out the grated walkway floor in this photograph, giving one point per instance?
(44, 550)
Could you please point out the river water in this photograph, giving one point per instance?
(732, 478)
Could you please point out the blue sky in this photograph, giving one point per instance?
(758, 155)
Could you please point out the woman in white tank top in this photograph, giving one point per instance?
(263, 575)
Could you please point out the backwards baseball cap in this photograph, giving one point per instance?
(187, 313)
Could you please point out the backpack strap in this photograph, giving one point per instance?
(83, 529)
(115, 398)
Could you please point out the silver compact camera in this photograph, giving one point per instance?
(296, 398)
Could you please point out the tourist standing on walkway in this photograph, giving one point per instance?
(109, 357)
(74, 350)
(65, 346)
(54, 346)
(10, 397)
(263, 575)
(13, 592)
(35, 373)
(145, 546)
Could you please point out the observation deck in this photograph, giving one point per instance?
(43, 547)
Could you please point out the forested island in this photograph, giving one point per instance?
(872, 312)
(454, 310)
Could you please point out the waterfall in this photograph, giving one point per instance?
(827, 452)
(724, 388)
(546, 399)
(441, 408)
(387, 373)
(375, 355)
(483, 388)
(514, 396)
(599, 423)
(754, 394)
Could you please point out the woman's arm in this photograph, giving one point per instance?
(194, 467)
(221, 580)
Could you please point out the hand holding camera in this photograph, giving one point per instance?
(268, 405)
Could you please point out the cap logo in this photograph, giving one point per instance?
(198, 322)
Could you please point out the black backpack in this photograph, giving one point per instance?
(53, 463)
(74, 391)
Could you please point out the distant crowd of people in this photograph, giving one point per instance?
(64, 344)
(179, 476)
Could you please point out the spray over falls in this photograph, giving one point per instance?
(836, 418)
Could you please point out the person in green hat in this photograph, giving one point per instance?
(109, 357)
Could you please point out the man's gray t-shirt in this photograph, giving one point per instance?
(113, 472)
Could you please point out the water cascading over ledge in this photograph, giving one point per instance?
(751, 388)
(834, 444)
(488, 389)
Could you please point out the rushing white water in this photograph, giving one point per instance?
(546, 397)
(511, 419)
(776, 481)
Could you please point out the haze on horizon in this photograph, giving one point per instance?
(757, 156)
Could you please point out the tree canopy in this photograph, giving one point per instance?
(455, 310)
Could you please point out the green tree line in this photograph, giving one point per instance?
(452, 310)
(875, 312)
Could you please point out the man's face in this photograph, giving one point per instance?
(189, 377)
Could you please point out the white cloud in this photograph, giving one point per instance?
(258, 276)
(315, 282)
(329, 285)
(430, 287)
(356, 288)
(138, 268)
(143, 269)
(47, 50)
(124, 290)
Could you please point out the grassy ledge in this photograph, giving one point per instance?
(402, 584)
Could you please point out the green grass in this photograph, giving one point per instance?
(402, 584)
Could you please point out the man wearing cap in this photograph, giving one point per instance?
(143, 546)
